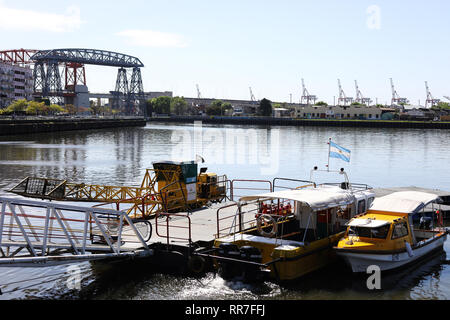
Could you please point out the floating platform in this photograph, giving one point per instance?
(42, 233)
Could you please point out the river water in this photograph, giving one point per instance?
(379, 158)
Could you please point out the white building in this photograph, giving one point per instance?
(338, 112)
(16, 83)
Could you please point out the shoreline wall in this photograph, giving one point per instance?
(26, 126)
(306, 122)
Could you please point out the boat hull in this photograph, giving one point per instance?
(359, 262)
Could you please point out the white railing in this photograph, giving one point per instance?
(83, 232)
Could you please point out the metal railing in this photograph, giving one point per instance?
(40, 227)
(170, 224)
(234, 188)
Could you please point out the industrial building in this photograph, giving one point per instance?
(16, 83)
(338, 112)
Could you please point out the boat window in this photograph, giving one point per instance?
(369, 202)
(361, 206)
(400, 230)
(364, 232)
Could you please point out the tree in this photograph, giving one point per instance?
(178, 106)
(216, 108)
(443, 105)
(95, 108)
(35, 107)
(71, 109)
(321, 103)
(265, 108)
(17, 106)
(161, 105)
(55, 108)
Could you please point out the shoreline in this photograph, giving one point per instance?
(305, 122)
(27, 126)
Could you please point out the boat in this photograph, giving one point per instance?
(386, 236)
(294, 233)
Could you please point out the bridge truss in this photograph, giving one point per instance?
(48, 80)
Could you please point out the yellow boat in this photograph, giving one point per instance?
(385, 236)
(294, 233)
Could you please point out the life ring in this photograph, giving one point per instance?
(263, 221)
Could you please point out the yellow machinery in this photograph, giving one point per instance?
(168, 187)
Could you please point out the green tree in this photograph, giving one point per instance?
(443, 105)
(178, 106)
(55, 108)
(216, 108)
(95, 108)
(17, 106)
(161, 105)
(321, 103)
(35, 107)
(71, 109)
(265, 108)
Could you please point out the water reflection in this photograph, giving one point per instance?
(380, 157)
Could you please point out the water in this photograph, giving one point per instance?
(380, 158)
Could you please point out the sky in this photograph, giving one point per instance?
(225, 47)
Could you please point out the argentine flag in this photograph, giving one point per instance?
(339, 152)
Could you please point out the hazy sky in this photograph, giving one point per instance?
(228, 46)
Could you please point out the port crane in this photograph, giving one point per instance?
(342, 97)
(430, 99)
(306, 97)
(199, 95)
(359, 96)
(252, 96)
(396, 100)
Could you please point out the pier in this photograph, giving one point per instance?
(41, 125)
(42, 233)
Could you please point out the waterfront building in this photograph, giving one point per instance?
(16, 83)
(338, 112)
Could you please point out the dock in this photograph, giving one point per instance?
(44, 233)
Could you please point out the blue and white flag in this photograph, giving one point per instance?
(339, 152)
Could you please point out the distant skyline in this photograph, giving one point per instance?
(226, 47)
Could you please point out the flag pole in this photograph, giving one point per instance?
(329, 150)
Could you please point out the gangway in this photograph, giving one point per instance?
(41, 234)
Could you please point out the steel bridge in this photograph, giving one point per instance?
(48, 79)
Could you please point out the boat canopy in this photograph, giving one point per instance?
(319, 198)
(409, 202)
(368, 223)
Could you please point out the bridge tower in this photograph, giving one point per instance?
(136, 91)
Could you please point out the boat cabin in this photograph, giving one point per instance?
(386, 235)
